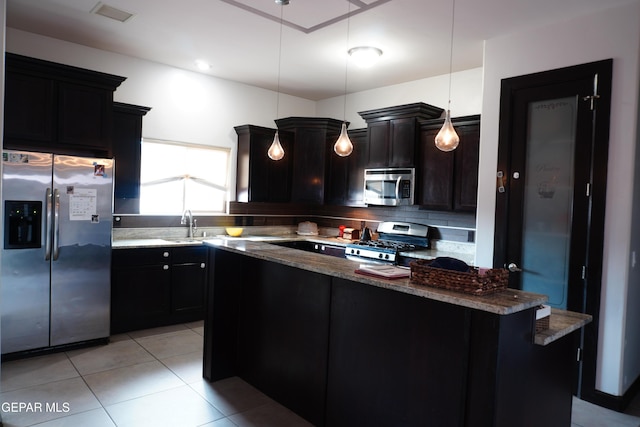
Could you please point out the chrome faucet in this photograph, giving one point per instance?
(192, 222)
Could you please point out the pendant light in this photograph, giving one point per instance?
(276, 152)
(447, 139)
(343, 146)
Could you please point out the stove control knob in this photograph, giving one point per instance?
(386, 256)
(380, 256)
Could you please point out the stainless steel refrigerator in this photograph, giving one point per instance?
(56, 255)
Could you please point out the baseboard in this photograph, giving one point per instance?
(609, 401)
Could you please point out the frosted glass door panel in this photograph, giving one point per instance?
(548, 198)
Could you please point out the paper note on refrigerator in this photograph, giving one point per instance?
(82, 204)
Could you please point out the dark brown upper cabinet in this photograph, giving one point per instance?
(56, 107)
(313, 156)
(126, 144)
(260, 179)
(345, 178)
(393, 133)
(449, 180)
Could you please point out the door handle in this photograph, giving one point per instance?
(56, 223)
(513, 267)
(47, 228)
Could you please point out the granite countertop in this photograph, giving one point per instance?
(561, 323)
(132, 243)
(503, 302)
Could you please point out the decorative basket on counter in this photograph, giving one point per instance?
(471, 282)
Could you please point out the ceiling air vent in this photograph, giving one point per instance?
(111, 12)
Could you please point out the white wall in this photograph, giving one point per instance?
(466, 97)
(186, 106)
(613, 33)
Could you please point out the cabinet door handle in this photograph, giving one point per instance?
(500, 176)
(202, 265)
(165, 267)
(165, 254)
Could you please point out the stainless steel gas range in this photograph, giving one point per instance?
(393, 238)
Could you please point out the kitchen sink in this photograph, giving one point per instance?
(195, 240)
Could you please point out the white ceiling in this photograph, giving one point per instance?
(241, 38)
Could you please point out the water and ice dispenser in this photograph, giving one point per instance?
(22, 224)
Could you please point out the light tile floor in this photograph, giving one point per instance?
(154, 378)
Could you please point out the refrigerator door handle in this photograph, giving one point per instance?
(56, 223)
(47, 228)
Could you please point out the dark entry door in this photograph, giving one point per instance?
(551, 183)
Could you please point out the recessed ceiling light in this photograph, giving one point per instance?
(365, 56)
(111, 12)
(202, 65)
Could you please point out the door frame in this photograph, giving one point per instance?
(588, 340)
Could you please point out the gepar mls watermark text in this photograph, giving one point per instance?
(35, 407)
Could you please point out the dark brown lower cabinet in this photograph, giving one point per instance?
(344, 353)
(385, 365)
(153, 287)
(283, 335)
(188, 282)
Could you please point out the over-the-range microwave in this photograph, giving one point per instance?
(389, 186)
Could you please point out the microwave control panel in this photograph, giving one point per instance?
(405, 189)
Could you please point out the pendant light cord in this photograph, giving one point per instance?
(346, 64)
(453, 14)
(279, 62)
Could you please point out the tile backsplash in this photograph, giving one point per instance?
(445, 226)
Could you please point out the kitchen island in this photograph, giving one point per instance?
(340, 348)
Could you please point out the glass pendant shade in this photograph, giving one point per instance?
(447, 139)
(276, 152)
(343, 146)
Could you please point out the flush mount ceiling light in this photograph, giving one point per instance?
(111, 12)
(202, 65)
(365, 56)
